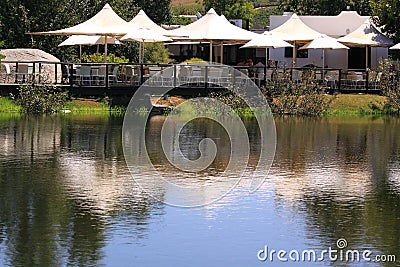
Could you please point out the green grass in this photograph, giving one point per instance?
(356, 104)
(91, 106)
(8, 105)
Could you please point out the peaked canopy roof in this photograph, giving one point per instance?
(142, 20)
(294, 29)
(212, 27)
(267, 40)
(324, 42)
(366, 34)
(106, 22)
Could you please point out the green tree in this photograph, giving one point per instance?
(325, 7)
(158, 10)
(232, 9)
(261, 17)
(156, 53)
(241, 9)
(387, 16)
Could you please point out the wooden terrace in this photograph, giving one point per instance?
(101, 79)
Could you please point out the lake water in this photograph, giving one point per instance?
(67, 197)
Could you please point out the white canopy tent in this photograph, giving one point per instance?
(148, 32)
(366, 35)
(144, 35)
(324, 42)
(212, 28)
(295, 30)
(267, 40)
(105, 23)
(395, 47)
(142, 20)
(88, 40)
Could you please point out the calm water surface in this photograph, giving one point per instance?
(67, 198)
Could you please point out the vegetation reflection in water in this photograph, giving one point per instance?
(66, 193)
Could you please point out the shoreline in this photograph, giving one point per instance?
(340, 105)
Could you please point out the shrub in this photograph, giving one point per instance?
(195, 60)
(98, 57)
(303, 98)
(41, 98)
(156, 53)
(389, 85)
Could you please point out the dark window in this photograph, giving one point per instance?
(300, 53)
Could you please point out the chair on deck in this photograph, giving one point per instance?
(7, 72)
(85, 75)
(21, 75)
(332, 79)
(113, 77)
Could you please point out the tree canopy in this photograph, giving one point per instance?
(387, 16)
(325, 7)
(232, 9)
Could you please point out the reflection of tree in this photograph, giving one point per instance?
(47, 220)
(341, 167)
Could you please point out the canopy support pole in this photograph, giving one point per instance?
(294, 55)
(211, 51)
(80, 53)
(366, 57)
(142, 52)
(222, 52)
(105, 49)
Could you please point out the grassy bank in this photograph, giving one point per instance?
(340, 105)
(81, 105)
(356, 104)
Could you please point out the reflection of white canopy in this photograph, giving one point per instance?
(105, 23)
(267, 40)
(212, 27)
(142, 20)
(324, 42)
(88, 40)
(144, 35)
(295, 30)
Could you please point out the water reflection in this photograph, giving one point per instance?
(62, 178)
(66, 196)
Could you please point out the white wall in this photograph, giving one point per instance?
(333, 58)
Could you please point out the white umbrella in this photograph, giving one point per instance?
(324, 42)
(295, 30)
(142, 20)
(267, 40)
(144, 35)
(366, 35)
(105, 23)
(88, 40)
(212, 27)
(395, 47)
